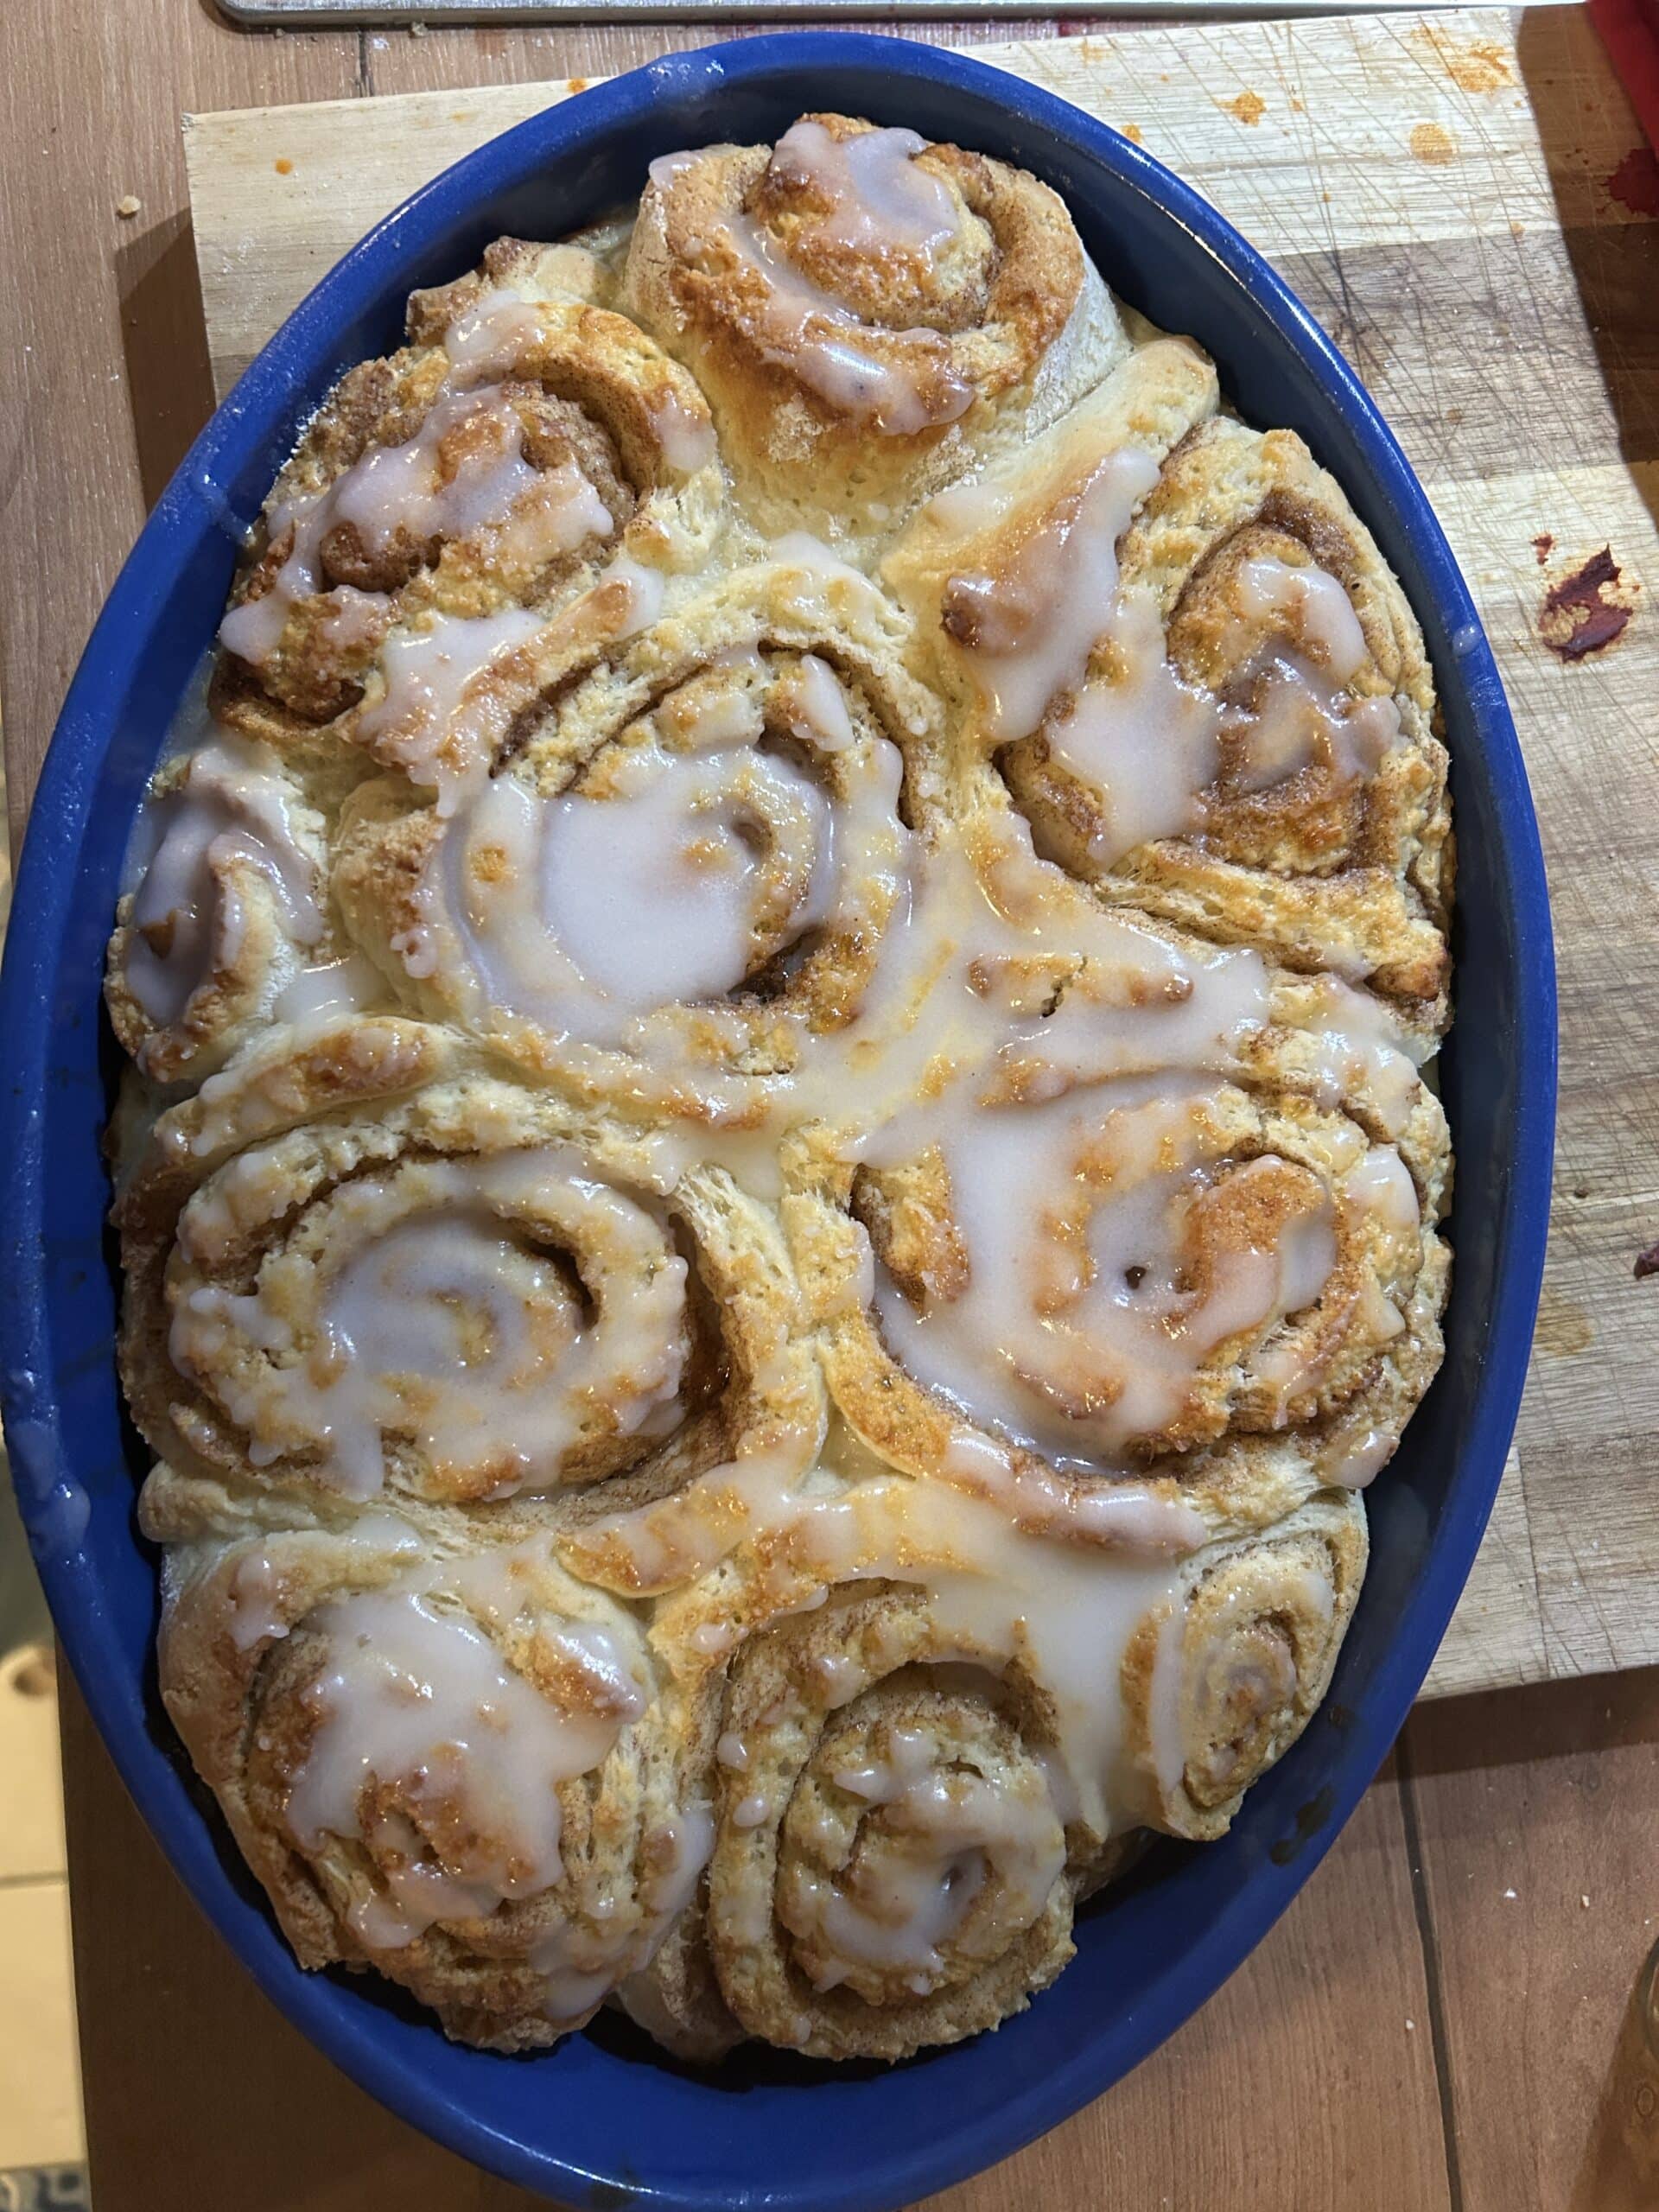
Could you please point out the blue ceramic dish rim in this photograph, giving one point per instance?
(64, 802)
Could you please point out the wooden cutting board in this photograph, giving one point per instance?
(1466, 204)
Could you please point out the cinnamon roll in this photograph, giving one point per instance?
(952, 1714)
(444, 1762)
(889, 1867)
(444, 506)
(363, 1268)
(226, 906)
(866, 311)
(687, 868)
(1178, 1277)
(780, 1181)
(1223, 1679)
(1179, 655)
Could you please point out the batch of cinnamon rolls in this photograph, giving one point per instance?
(775, 1192)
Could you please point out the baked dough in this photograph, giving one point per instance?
(777, 1189)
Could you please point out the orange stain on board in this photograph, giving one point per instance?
(1563, 1329)
(1635, 182)
(1132, 130)
(1248, 107)
(1433, 143)
(576, 84)
(1474, 65)
(283, 166)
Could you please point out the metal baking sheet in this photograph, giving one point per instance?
(405, 13)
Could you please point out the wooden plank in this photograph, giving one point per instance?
(1535, 1817)
(1308, 2080)
(1509, 236)
(1496, 1637)
(1323, 2018)
(100, 319)
(1178, 91)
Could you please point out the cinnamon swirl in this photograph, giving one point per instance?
(868, 312)
(1178, 653)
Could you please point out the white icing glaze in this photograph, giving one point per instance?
(652, 889)
(814, 706)
(1361, 1048)
(1118, 1517)
(416, 1698)
(441, 716)
(915, 1874)
(1313, 605)
(687, 440)
(673, 870)
(877, 201)
(461, 471)
(900, 390)
(232, 811)
(632, 595)
(348, 985)
(1066, 1610)
(1363, 1460)
(1381, 1184)
(1028, 630)
(487, 337)
(1148, 743)
(449, 1321)
(256, 1597)
(454, 683)
(986, 990)
(1087, 1335)
(1296, 714)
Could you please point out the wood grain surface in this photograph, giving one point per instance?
(1412, 2038)
(1432, 187)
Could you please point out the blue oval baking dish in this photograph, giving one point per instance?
(605, 2120)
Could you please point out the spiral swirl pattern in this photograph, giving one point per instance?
(870, 313)
(1225, 715)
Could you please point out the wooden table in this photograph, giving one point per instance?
(1445, 2022)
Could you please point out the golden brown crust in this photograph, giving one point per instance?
(568, 438)
(227, 912)
(1283, 1398)
(249, 1633)
(837, 1761)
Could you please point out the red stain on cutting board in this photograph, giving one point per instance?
(1635, 182)
(1589, 610)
